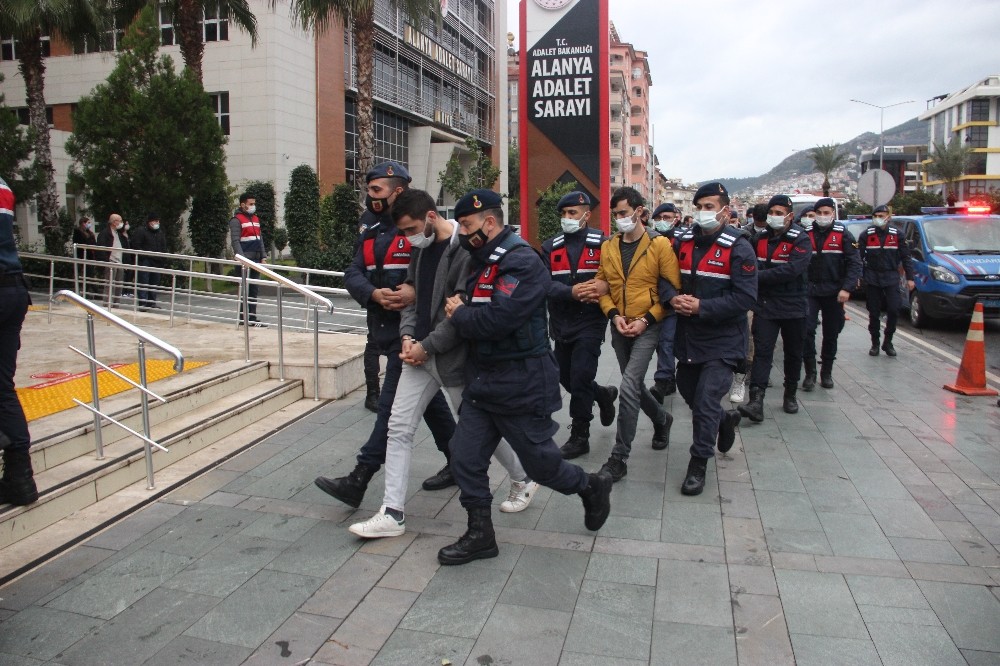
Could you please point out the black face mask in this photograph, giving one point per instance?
(376, 206)
(474, 241)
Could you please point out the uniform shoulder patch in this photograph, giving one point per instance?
(793, 233)
(838, 227)
(558, 240)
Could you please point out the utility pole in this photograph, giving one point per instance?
(881, 131)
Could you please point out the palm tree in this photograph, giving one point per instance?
(950, 162)
(826, 160)
(28, 21)
(187, 17)
(359, 15)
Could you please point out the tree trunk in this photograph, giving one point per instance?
(826, 186)
(32, 69)
(364, 47)
(187, 22)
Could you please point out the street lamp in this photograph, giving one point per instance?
(881, 130)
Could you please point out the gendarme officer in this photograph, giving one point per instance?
(512, 381)
(718, 285)
(575, 319)
(883, 251)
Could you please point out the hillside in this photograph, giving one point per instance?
(795, 165)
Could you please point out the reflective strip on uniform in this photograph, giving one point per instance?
(710, 274)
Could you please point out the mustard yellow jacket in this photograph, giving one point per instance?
(638, 294)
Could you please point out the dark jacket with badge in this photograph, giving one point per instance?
(720, 269)
(381, 261)
(883, 251)
(572, 259)
(835, 263)
(782, 263)
(511, 367)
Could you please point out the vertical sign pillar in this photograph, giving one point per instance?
(563, 89)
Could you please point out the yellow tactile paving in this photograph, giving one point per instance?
(37, 308)
(56, 393)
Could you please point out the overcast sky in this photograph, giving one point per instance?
(738, 86)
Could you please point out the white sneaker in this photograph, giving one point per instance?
(378, 526)
(738, 392)
(520, 496)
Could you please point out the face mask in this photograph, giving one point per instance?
(824, 220)
(251, 209)
(421, 240)
(708, 220)
(663, 226)
(880, 222)
(626, 225)
(776, 221)
(155, 226)
(117, 225)
(89, 226)
(376, 206)
(127, 227)
(807, 223)
(475, 240)
(571, 226)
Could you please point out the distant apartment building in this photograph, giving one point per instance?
(290, 100)
(901, 162)
(673, 191)
(973, 116)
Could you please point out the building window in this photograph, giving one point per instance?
(979, 110)
(9, 47)
(23, 117)
(215, 26)
(109, 41)
(166, 26)
(977, 165)
(977, 137)
(635, 130)
(392, 138)
(219, 103)
(637, 92)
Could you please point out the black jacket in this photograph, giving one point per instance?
(361, 281)
(883, 251)
(147, 240)
(781, 282)
(835, 263)
(570, 319)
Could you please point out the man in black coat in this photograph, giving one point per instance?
(883, 252)
(149, 238)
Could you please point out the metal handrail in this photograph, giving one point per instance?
(282, 281)
(144, 338)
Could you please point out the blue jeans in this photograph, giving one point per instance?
(634, 355)
(14, 302)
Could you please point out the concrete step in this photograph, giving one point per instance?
(43, 544)
(67, 435)
(82, 481)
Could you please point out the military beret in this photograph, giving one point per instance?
(573, 199)
(733, 215)
(664, 208)
(152, 217)
(710, 190)
(477, 201)
(388, 170)
(807, 209)
(825, 201)
(881, 209)
(780, 200)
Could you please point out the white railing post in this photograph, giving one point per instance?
(145, 416)
(96, 394)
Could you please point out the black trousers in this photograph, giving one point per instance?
(875, 298)
(833, 324)
(14, 302)
(577, 361)
(765, 336)
(703, 385)
(371, 362)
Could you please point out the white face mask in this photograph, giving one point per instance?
(570, 226)
(824, 220)
(708, 220)
(880, 222)
(807, 223)
(421, 239)
(776, 221)
(117, 225)
(663, 226)
(127, 227)
(155, 226)
(89, 226)
(625, 225)
(251, 209)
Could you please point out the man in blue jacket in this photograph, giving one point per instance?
(376, 279)
(576, 321)
(511, 379)
(718, 285)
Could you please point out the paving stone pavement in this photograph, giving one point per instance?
(863, 530)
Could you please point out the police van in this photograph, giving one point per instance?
(956, 261)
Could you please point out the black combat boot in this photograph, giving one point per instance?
(17, 486)
(579, 440)
(694, 482)
(596, 500)
(809, 383)
(661, 433)
(479, 541)
(826, 374)
(874, 350)
(443, 479)
(789, 402)
(348, 489)
(754, 409)
(371, 400)
(605, 398)
(727, 429)
(887, 346)
(662, 388)
(616, 468)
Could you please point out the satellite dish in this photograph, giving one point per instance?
(876, 187)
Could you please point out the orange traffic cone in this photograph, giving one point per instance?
(971, 378)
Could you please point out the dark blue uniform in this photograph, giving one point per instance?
(14, 302)
(371, 363)
(835, 266)
(883, 252)
(381, 261)
(782, 302)
(511, 382)
(720, 269)
(577, 328)
(665, 358)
